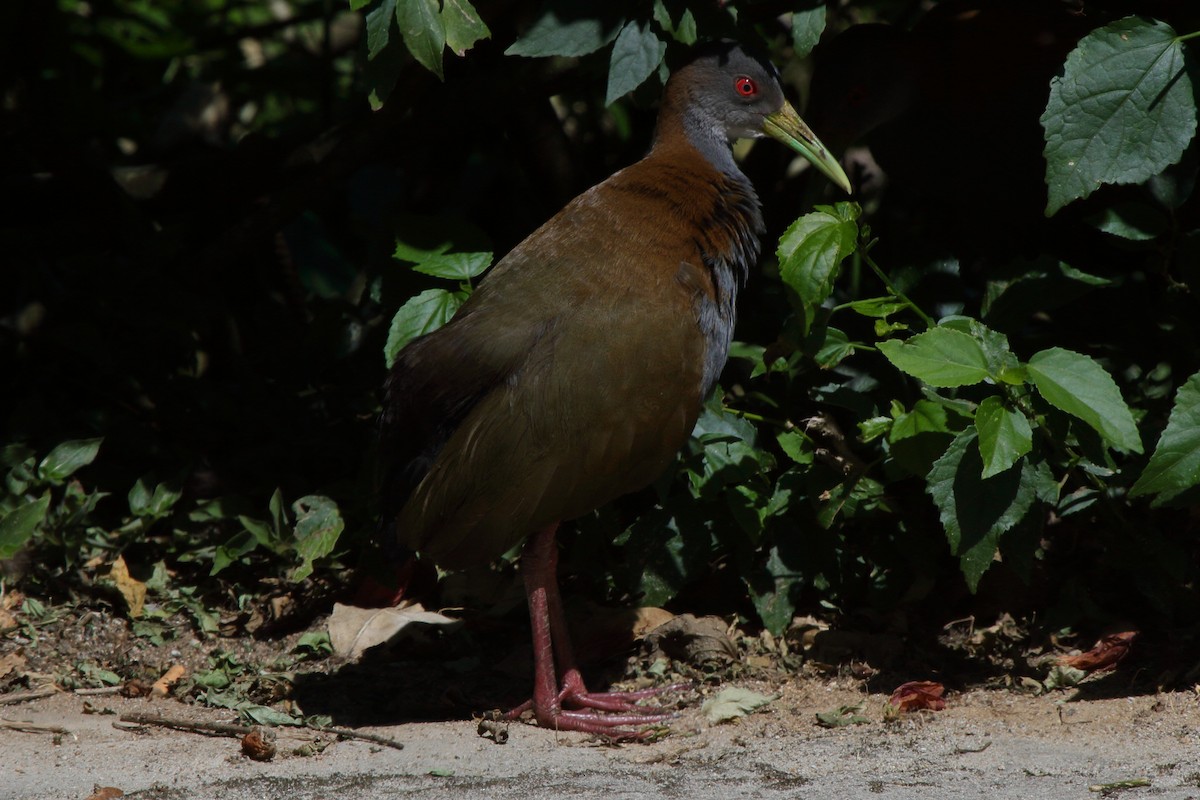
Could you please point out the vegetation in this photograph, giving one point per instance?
(954, 394)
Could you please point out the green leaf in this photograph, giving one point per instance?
(636, 54)
(463, 25)
(379, 27)
(455, 266)
(1175, 465)
(423, 31)
(1122, 110)
(569, 29)
(426, 312)
(684, 32)
(940, 357)
(64, 460)
(238, 545)
(152, 504)
(812, 249)
(1004, 435)
(807, 27)
(318, 525)
(358, 5)
(877, 307)
(18, 525)
(842, 717)
(797, 446)
(976, 511)
(1077, 385)
(421, 238)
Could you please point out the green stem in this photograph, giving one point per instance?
(891, 287)
(1187, 36)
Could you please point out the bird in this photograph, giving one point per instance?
(577, 369)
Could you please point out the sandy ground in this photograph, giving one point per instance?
(986, 743)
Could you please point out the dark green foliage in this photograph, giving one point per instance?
(216, 242)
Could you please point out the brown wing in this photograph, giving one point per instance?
(586, 365)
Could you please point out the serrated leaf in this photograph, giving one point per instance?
(568, 29)
(940, 357)
(1175, 464)
(455, 266)
(1004, 435)
(797, 446)
(1077, 385)
(1122, 110)
(18, 525)
(463, 25)
(975, 512)
(877, 307)
(423, 31)
(421, 238)
(812, 249)
(807, 27)
(379, 27)
(731, 703)
(63, 461)
(426, 312)
(636, 54)
(319, 524)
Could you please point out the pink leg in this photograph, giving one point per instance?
(552, 646)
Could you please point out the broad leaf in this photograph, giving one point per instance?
(63, 461)
(569, 28)
(463, 25)
(455, 266)
(426, 312)
(684, 32)
(318, 526)
(636, 54)
(807, 27)
(1004, 435)
(976, 511)
(1122, 110)
(18, 525)
(420, 238)
(811, 251)
(878, 307)
(1175, 465)
(1076, 384)
(939, 357)
(379, 27)
(423, 32)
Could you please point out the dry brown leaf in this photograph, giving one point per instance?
(354, 630)
(259, 744)
(1105, 655)
(105, 793)
(133, 590)
(10, 662)
(917, 695)
(163, 685)
(11, 599)
(692, 640)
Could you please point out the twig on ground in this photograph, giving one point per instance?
(33, 694)
(32, 727)
(225, 729)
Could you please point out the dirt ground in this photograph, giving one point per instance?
(986, 743)
(1111, 736)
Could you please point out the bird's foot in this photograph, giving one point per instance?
(606, 714)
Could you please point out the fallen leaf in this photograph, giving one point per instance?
(842, 717)
(1063, 677)
(169, 678)
(1105, 655)
(354, 630)
(133, 590)
(732, 703)
(11, 661)
(105, 793)
(692, 640)
(259, 745)
(917, 695)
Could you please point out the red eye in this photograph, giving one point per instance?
(746, 87)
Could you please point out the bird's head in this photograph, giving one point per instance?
(726, 92)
